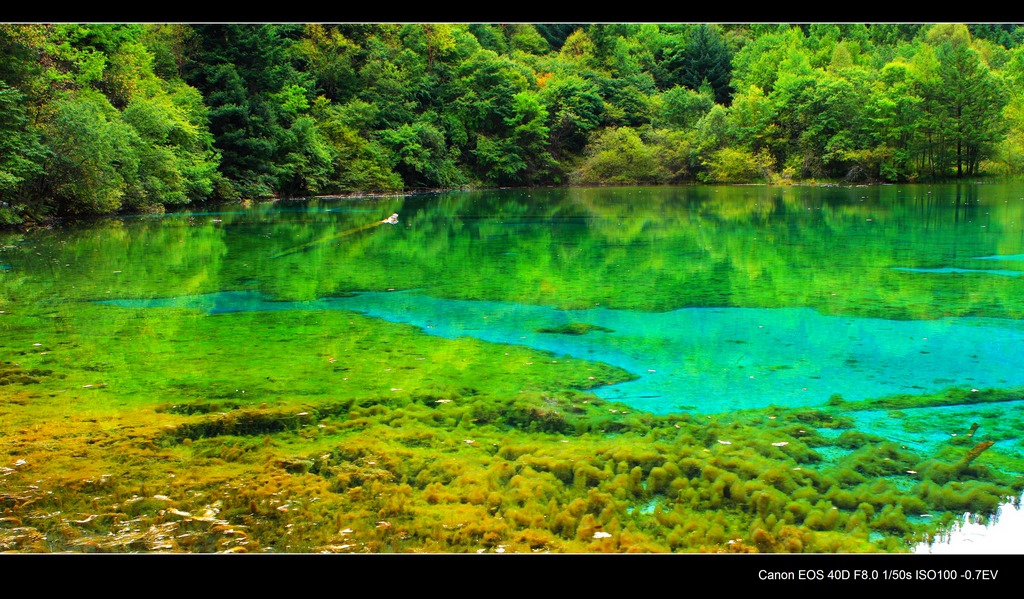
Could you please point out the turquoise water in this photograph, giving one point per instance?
(716, 299)
(708, 360)
(926, 430)
(1013, 257)
(951, 270)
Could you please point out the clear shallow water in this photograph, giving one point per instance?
(926, 430)
(715, 298)
(708, 360)
(1013, 257)
(949, 270)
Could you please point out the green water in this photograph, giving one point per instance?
(708, 360)
(692, 300)
(714, 298)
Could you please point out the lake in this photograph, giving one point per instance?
(168, 355)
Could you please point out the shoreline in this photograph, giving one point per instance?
(53, 221)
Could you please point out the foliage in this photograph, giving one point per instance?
(96, 155)
(375, 436)
(618, 156)
(21, 151)
(186, 113)
(702, 58)
(732, 165)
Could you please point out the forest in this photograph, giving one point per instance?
(106, 118)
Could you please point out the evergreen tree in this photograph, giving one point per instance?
(704, 57)
(973, 101)
(246, 74)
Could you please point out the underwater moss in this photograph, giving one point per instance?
(423, 457)
(822, 419)
(823, 517)
(780, 478)
(562, 469)
(847, 477)
(11, 374)
(971, 496)
(891, 519)
(884, 459)
(796, 511)
(852, 439)
(574, 328)
(586, 475)
(952, 396)
(943, 472)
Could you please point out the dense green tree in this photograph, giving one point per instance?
(487, 106)
(575, 108)
(892, 111)
(1002, 33)
(22, 154)
(627, 100)
(170, 45)
(113, 133)
(892, 33)
(758, 62)
(100, 117)
(177, 161)
(524, 37)
(972, 100)
(385, 80)
(491, 37)
(682, 107)
(433, 42)
(330, 57)
(752, 120)
(737, 165)
(359, 162)
(555, 33)
(250, 82)
(96, 155)
(1010, 152)
(530, 134)
(820, 43)
(422, 155)
(675, 153)
(815, 109)
(620, 156)
(579, 50)
(520, 155)
(22, 59)
(712, 133)
(702, 57)
(306, 160)
(1008, 155)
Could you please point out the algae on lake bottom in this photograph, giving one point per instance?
(295, 423)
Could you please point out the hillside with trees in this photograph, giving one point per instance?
(107, 118)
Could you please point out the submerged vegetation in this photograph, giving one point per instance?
(428, 466)
(302, 429)
(574, 328)
(107, 118)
